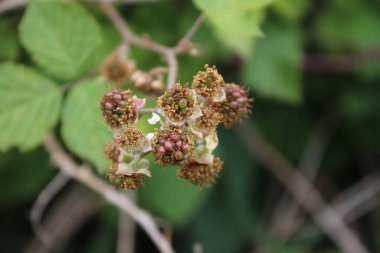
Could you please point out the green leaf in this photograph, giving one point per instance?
(236, 22)
(83, 129)
(292, 9)
(62, 37)
(29, 107)
(272, 69)
(352, 26)
(9, 45)
(23, 175)
(169, 197)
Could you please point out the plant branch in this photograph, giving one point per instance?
(84, 175)
(170, 53)
(340, 63)
(9, 5)
(43, 199)
(285, 216)
(324, 215)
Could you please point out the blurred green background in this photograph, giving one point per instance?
(315, 65)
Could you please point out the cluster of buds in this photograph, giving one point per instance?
(117, 70)
(188, 118)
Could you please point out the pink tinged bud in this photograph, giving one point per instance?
(174, 137)
(161, 150)
(168, 145)
(236, 94)
(109, 94)
(186, 147)
(242, 100)
(108, 105)
(125, 96)
(122, 102)
(117, 96)
(115, 116)
(234, 104)
(178, 143)
(179, 155)
(107, 112)
(161, 140)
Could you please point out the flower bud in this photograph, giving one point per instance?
(168, 151)
(208, 83)
(235, 107)
(178, 103)
(118, 108)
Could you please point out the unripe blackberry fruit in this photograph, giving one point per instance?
(178, 103)
(112, 151)
(121, 181)
(116, 70)
(132, 140)
(201, 175)
(118, 108)
(172, 145)
(208, 83)
(235, 107)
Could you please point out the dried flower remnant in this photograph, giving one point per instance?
(172, 145)
(208, 83)
(201, 175)
(179, 104)
(119, 108)
(147, 82)
(207, 122)
(131, 140)
(117, 70)
(235, 107)
(122, 181)
(112, 151)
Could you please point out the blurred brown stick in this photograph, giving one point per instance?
(285, 216)
(324, 215)
(43, 199)
(65, 218)
(126, 233)
(84, 175)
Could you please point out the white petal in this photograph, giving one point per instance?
(198, 135)
(221, 96)
(147, 146)
(212, 141)
(206, 159)
(149, 136)
(197, 113)
(154, 119)
(176, 123)
(140, 102)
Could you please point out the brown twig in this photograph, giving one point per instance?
(9, 5)
(341, 63)
(170, 53)
(84, 175)
(284, 219)
(126, 233)
(353, 202)
(65, 218)
(43, 199)
(323, 214)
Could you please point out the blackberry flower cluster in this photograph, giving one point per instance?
(186, 121)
